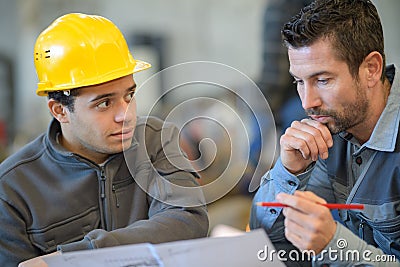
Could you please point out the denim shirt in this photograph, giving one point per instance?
(348, 182)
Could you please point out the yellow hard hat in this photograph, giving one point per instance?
(79, 50)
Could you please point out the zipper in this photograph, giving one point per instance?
(119, 185)
(116, 196)
(361, 229)
(102, 183)
(102, 196)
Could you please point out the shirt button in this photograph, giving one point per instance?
(359, 160)
(273, 211)
(291, 183)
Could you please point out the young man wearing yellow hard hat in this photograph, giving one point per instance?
(99, 176)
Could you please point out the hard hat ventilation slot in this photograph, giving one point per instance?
(40, 56)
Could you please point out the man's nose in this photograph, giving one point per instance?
(125, 112)
(310, 97)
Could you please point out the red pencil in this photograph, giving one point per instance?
(329, 205)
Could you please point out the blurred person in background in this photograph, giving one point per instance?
(347, 151)
(76, 186)
(275, 82)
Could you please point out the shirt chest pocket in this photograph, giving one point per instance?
(66, 231)
(340, 188)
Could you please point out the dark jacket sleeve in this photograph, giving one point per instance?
(15, 245)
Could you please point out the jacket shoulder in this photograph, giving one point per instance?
(152, 130)
(152, 123)
(26, 154)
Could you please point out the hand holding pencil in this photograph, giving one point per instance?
(308, 223)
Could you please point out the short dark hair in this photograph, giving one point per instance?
(67, 100)
(353, 26)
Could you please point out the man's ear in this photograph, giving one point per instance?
(58, 111)
(374, 67)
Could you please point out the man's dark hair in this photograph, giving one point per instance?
(65, 99)
(353, 26)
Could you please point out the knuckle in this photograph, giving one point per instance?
(310, 140)
(316, 225)
(287, 234)
(283, 138)
(295, 124)
(308, 194)
(285, 212)
(286, 223)
(303, 145)
(314, 131)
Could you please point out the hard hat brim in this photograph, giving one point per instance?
(141, 65)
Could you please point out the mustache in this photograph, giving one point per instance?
(319, 112)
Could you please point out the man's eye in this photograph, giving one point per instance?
(130, 95)
(103, 104)
(298, 82)
(323, 81)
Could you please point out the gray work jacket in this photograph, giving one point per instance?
(50, 197)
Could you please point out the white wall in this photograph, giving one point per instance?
(389, 12)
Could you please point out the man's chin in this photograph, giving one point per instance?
(127, 143)
(333, 129)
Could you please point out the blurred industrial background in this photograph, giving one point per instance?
(163, 32)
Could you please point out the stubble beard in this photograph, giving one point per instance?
(350, 115)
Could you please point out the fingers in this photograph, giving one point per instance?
(297, 235)
(308, 232)
(308, 225)
(309, 195)
(311, 138)
(303, 142)
(304, 238)
(326, 134)
(304, 201)
(294, 139)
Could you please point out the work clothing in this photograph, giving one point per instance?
(364, 174)
(51, 198)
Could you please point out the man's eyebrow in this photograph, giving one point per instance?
(132, 88)
(312, 75)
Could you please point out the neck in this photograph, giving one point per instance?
(97, 158)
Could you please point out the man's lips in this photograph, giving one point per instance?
(125, 133)
(320, 118)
